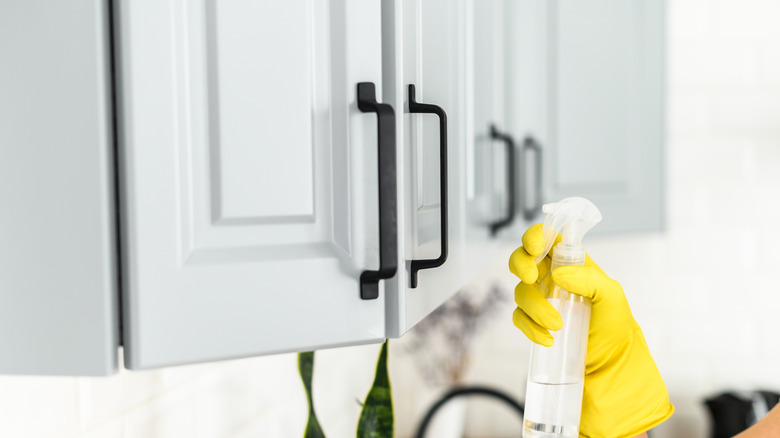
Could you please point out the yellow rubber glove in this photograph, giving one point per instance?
(624, 393)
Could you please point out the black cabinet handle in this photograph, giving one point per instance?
(388, 226)
(530, 212)
(416, 107)
(495, 134)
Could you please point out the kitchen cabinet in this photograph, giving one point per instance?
(589, 97)
(492, 202)
(250, 177)
(493, 182)
(528, 88)
(428, 45)
(254, 177)
(607, 110)
(58, 287)
(424, 64)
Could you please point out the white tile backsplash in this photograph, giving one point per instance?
(745, 20)
(342, 379)
(104, 398)
(172, 414)
(224, 402)
(768, 63)
(39, 407)
(109, 429)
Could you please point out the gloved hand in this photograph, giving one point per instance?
(624, 393)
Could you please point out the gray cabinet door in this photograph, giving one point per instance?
(527, 94)
(606, 113)
(425, 44)
(487, 192)
(487, 188)
(601, 124)
(58, 287)
(250, 177)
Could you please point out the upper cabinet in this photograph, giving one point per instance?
(491, 151)
(250, 213)
(606, 109)
(254, 177)
(453, 184)
(424, 65)
(58, 276)
(599, 120)
(528, 89)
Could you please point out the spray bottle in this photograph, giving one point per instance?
(556, 375)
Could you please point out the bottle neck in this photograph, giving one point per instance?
(567, 255)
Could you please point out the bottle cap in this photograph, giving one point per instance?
(573, 217)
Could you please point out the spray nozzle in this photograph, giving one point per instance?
(572, 217)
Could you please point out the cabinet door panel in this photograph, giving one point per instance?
(250, 206)
(58, 286)
(426, 49)
(606, 111)
(527, 86)
(487, 182)
(484, 158)
(241, 91)
(588, 85)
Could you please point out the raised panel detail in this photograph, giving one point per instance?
(486, 173)
(606, 119)
(246, 177)
(262, 171)
(595, 63)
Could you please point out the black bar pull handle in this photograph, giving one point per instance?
(388, 226)
(416, 107)
(495, 134)
(531, 212)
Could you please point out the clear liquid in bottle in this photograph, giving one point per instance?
(556, 378)
(547, 418)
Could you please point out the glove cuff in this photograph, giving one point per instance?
(626, 397)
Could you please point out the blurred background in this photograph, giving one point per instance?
(705, 291)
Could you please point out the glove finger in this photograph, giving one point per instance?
(533, 240)
(523, 265)
(543, 268)
(536, 333)
(532, 302)
(588, 281)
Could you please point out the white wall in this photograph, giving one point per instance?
(709, 294)
(706, 292)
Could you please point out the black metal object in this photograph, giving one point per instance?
(416, 107)
(530, 144)
(464, 392)
(388, 226)
(495, 134)
(732, 412)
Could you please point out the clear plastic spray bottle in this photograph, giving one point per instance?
(556, 375)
